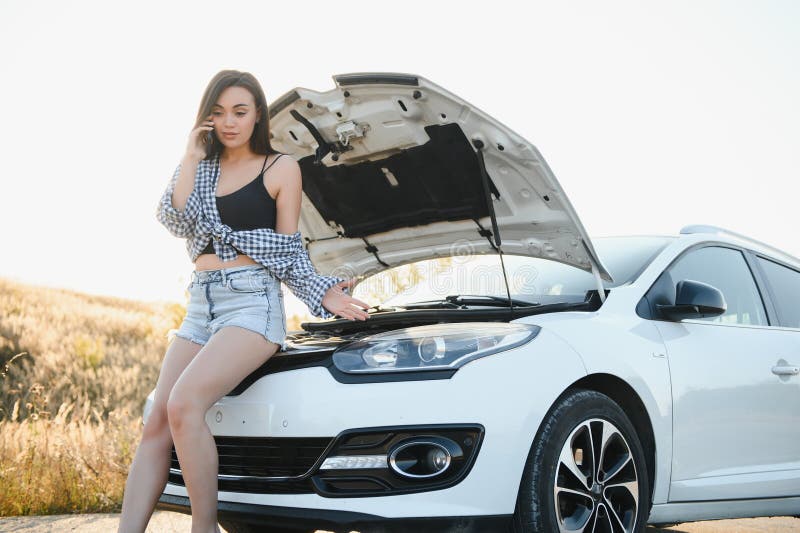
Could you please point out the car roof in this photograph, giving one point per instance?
(724, 235)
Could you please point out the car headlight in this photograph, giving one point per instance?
(433, 347)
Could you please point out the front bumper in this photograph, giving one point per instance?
(507, 394)
(360, 462)
(341, 521)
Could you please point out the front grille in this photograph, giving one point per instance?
(263, 457)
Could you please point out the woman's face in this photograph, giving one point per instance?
(234, 117)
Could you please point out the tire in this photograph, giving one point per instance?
(564, 488)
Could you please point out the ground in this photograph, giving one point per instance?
(168, 522)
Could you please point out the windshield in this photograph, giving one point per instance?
(530, 279)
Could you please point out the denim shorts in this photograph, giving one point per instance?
(245, 296)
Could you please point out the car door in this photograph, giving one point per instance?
(783, 285)
(735, 425)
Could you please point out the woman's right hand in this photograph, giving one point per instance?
(196, 147)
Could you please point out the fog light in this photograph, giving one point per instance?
(423, 458)
(438, 459)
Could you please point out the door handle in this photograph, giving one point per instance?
(786, 370)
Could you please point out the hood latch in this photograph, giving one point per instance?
(324, 147)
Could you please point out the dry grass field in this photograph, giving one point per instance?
(74, 373)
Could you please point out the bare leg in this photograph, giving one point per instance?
(228, 357)
(148, 473)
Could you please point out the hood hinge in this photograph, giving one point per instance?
(601, 291)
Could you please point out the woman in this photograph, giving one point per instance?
(242, 236)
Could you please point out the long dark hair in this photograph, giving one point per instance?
(259, 141)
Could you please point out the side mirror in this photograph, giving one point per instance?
(694, 299)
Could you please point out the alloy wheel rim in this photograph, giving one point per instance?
(596, 486)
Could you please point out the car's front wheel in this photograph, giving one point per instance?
(585, 472)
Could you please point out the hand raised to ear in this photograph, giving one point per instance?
(338, 302)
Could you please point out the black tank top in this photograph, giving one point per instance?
(250, 207)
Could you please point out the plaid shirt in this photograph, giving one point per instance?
(283, 255)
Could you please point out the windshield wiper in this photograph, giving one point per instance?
(457, 301)
(477, 299)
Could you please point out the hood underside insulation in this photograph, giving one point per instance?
(437, 181)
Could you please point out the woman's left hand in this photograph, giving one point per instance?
(344, 305)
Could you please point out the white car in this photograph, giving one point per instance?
(605, 384)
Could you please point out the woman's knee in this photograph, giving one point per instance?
(182, 410)
(157, 425)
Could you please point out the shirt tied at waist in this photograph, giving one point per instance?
(283, 255)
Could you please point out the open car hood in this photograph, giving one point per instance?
(392, 170)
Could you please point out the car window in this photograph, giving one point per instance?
(785, 284)
(726, 270)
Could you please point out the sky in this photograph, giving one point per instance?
(652, 116)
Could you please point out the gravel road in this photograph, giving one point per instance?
(168, 522)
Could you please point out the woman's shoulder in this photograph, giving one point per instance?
(285, 163)
(283, 158)
(286, 173)
(208, 165)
